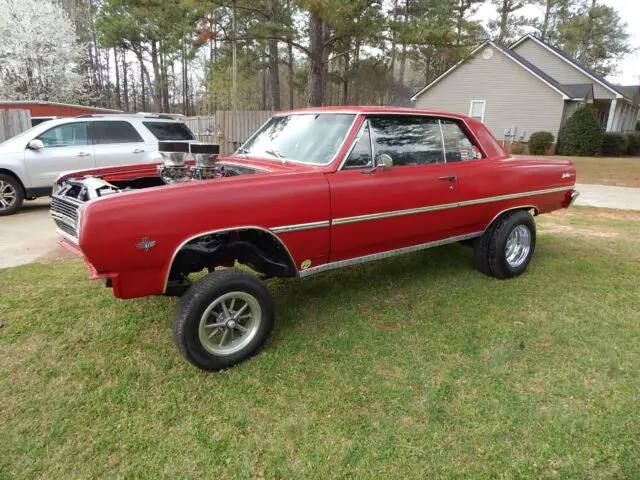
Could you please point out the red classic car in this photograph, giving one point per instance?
(312, 190)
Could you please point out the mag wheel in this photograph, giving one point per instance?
(223, 319)
(11, 195)
(506, 248)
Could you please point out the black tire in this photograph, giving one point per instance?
(189, 324)
(491, 248)
(9, 184)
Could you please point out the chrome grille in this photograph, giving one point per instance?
(64, 212)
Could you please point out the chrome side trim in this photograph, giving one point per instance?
(300, 226)
(387, 254)
(67, 237)
(211, 232)
(444, 148)
(519, 207)
(511, 196)
(394, 213)
(445, 206)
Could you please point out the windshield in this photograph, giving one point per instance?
(308, 138)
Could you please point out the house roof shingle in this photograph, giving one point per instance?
(547, 78)
(578, 90)
(573, 62)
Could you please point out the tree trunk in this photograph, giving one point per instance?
(274, 75)
(504, 19)
(117, 67)
(393, 39)
(143, 102)
(345, 78)
(316, 68)
(125, 81)
(290, 74)
(265, 87)
(545, 23)
(157, 81)
(403, 52)
(356, 67)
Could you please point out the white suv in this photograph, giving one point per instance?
(31, 162)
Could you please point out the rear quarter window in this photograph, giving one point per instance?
(169, 130)
(114, 132)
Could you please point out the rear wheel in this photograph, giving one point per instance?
(11, 195)
(506, 248)
(223, 319)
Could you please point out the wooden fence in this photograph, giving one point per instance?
(12, 122)
(227, 129)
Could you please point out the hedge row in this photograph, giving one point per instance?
(582, 135)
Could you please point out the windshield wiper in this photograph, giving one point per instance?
(278, 155)
(242, 150)
(275, 153)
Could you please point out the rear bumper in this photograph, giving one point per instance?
(574, 196)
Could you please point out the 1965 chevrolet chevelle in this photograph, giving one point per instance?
(310, 191)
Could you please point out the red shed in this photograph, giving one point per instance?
(52, 109)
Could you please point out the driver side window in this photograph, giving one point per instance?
(68, 135)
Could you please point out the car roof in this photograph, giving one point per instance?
(362, 110)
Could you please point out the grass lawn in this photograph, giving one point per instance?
(414, 367)
(618, 171)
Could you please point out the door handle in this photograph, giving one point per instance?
(83, 154)
(451, 178)
(139, 150)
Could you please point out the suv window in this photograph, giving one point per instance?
(67, 135)
(408, 140)
(169, 131)
(361, 155)
(114, 132)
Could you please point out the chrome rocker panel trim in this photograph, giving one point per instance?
(300, 226)
(389, 253)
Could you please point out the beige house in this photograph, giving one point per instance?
(528, 87)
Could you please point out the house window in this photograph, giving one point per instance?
(476, 110)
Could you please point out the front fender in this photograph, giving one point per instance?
(136, 234)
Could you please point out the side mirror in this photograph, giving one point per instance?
(384, 161)
(35, 144)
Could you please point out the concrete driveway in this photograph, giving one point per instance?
(605, 196)
(29, 236)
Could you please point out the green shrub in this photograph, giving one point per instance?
(581, 134)
(633, 143)
(614, 144)
(539, 142)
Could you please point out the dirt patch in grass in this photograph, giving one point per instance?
(570, 230)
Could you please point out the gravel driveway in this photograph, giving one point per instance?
(29, 236)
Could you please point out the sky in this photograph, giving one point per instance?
(629, 66)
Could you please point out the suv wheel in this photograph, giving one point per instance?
(506, 248)
(11, 195)
(223, 319)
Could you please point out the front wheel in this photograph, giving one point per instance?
(223, 319)
(506, 247)
(11, 195)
